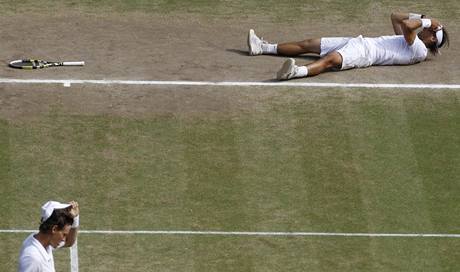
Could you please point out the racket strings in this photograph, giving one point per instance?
(37, 64)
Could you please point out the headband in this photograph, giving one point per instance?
(439, 35)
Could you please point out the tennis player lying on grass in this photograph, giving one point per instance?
(408, 46)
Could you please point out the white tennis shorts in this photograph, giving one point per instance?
(353, 51)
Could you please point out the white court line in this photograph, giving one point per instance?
(74, 257)
(253, 233)
(69, 82)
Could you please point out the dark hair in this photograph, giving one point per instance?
(59, 218)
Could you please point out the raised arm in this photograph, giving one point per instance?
(72, 237)
(396, 20)
(406, 24)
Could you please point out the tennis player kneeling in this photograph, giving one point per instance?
(58, 228)
(409, 45)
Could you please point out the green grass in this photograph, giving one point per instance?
(297, 160)
(317, 160)
(266, 254)
(280, 11)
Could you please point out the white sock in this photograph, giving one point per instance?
(301, 71)
(268, 48)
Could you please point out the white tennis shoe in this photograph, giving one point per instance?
(287, 71)
(255, 43)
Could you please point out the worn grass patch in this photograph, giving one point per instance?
(288, 11)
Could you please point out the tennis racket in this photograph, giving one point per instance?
(39, 64)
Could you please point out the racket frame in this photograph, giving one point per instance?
(39, 64)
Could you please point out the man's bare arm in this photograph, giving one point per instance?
(396, 20)
(72, 236)
(407, 25)
(409, 28)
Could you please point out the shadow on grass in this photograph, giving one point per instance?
(303, 58)
(240, 52)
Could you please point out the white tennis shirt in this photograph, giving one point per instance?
(394, 50)
(34, 257)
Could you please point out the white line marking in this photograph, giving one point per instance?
(74, 257)
(251, 233)
(227, 83)
(17, 231)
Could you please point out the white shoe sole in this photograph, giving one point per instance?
(287, 70)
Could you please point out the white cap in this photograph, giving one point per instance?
(50, 206)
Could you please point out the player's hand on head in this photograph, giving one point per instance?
(435, 24)
(74, 208)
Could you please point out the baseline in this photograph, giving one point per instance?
(252, 233)
(69, 82)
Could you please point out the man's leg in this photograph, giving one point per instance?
(258, 46)
(299, 48)
(331, 61)
(289, 70)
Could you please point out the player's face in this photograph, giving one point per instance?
(428, 36)
(59, 236)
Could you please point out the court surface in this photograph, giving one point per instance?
(185, 155)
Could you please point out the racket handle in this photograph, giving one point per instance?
(73, 63)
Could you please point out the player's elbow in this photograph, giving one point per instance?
(393, 16)
(396, 22)
(396, 16)
(393, 19)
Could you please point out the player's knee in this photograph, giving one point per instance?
(333, 60)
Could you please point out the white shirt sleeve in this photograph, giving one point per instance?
(28, 264)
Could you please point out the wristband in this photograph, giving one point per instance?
(76, 222)
(415, 16)
(426, 23)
